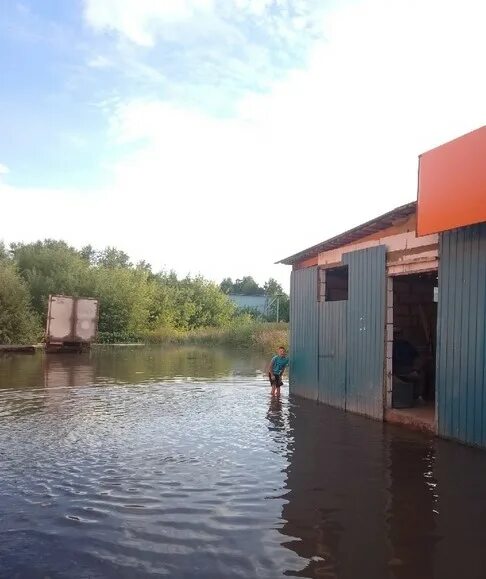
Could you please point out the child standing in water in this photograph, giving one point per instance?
(276, 368)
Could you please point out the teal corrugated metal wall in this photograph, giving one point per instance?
(303, 333)
(461, 356)
(337, 348)
(366, 331)
(332, 353)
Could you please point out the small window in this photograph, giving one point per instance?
(336, 284)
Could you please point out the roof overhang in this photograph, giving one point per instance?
(352, 235)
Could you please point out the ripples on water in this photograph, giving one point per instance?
(119, 465)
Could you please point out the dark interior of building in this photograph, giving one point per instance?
(336, 284)
(414, 339)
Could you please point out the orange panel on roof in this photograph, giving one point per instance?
(452, 184)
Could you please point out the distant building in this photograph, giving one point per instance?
(259, 304)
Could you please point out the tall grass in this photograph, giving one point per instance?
(265, 337)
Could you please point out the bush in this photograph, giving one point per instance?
(125, 297)
(118, 338)
(269, 337)
(241, 333)
(18, 323)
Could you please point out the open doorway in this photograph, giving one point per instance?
(414, 347)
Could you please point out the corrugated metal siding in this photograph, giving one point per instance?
(461, 356)
(303, 333)
(332, 353)
(366, 331)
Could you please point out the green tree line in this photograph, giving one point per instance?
(134, 301)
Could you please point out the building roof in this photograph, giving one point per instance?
(355, 234)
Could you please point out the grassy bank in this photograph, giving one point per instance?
(265, 337)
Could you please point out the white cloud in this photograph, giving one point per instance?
(139, 19)
(330, 146)
(204, 51)
(143, 22)
(99, 61)
(3, 169)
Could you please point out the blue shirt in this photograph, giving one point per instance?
(279, 363)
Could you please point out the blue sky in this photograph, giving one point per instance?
(218, 136)
(67, 65)
(52, 128)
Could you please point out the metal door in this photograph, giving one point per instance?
(303, 333)
(60, 319)
(332, 353)
(366, 331)
(86, 319)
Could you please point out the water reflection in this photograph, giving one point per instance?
(334, 515)
(274, 414)
(369, 500)
(413, 505)
(107, 365)
(145, 365)
(20, 370)
(178, 462)
(68, 371)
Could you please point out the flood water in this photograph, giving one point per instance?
(133, 463)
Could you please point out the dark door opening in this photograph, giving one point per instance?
(414, 342)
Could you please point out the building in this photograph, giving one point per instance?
(258, 304)
(416, 276)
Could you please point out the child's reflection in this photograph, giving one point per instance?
(274, 413)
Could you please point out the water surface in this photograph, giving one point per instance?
(176, 462)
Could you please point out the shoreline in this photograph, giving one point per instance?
(264, 337)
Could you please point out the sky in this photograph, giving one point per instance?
(219, 136)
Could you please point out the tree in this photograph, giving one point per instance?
(144, 265)
(50, 267)
(189, 303)
(248, 287)
(227, 286)
(125, 298)
(3, 251)
(112, 257)
(89, 254)
(210, 306)
(18, 323)
(272, 287)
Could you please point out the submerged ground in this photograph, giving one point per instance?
(150, 462)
